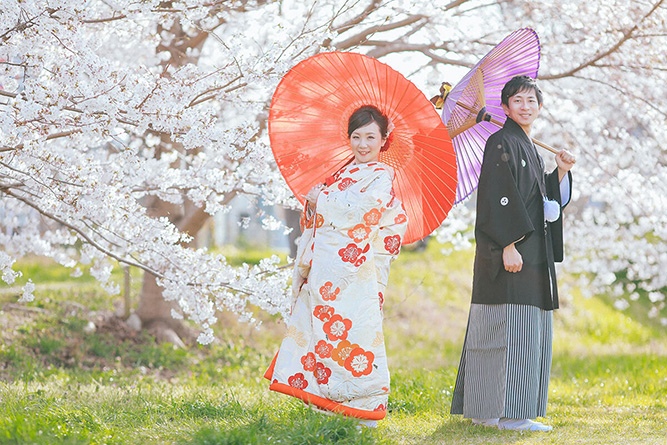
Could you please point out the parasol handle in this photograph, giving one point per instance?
(483, 115)
(543, 145)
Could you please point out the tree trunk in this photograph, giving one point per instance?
(155, 314)
(153, 311)
(292, 218)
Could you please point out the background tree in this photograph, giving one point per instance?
(124, 125)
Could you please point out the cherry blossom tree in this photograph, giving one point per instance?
(118, 135)
(125, 125)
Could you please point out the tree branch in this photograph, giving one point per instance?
(108, 19)
(454, 4)
(49, 137)
(82, 234)
(158, 10)
(22, 26)
(372, 6)
(98, 113)
(626, 36)
(383, 48)
(362, 36)
(625, 92)
(107, 252)
(194, 219)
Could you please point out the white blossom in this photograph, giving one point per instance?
(621, 304)
(27, 295)
(97, 123)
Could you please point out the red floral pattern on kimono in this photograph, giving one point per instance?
(392, 244)
(331, 355)
(359, 232)
(350, 253)
(336, 328)
(298, 381)
(372, 218)
(327, 293)
(342, 352)
(322, 374)
(323, 349)
(359, 362)
(344, 183)
(308, 362)
(323, 312)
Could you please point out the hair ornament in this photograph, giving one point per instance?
(390, 127)
(389, 136)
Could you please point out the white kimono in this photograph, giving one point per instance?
(333, 354)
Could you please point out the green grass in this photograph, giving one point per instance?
(61, 384)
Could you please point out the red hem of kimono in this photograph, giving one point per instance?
(318, 401)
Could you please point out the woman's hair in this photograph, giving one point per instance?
(518, 84)
(364, 116)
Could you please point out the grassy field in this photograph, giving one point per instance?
(62, 383)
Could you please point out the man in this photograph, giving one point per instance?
(504, 372)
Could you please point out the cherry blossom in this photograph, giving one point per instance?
(125, 125)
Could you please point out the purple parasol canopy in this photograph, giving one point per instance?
(472, 110)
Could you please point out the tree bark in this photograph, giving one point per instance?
(155, 314)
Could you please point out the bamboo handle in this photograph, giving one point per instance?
(543, 145)
(500, 124)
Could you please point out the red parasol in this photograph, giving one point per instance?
(308, 132)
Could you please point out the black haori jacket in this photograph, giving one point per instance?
(510, 207)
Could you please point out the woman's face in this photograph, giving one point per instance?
(366, 142)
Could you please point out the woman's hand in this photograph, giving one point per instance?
(512, 259)
(311, 196)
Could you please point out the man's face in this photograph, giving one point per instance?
(523, 108)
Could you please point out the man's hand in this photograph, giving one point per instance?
(512, 259)
(565, 161)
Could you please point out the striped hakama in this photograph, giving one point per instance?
(505, 363)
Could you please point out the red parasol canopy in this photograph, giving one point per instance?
(308, 131)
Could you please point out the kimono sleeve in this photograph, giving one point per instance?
(304, 253)
(501, 212)
(387, 243)
(554, 192)
(554, 188)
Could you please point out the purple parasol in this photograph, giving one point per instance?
(472, 110)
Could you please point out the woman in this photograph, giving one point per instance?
(333, 355)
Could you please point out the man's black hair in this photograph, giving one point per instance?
(517, 84)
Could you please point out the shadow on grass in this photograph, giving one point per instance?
(456, 430)
(297, 425)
